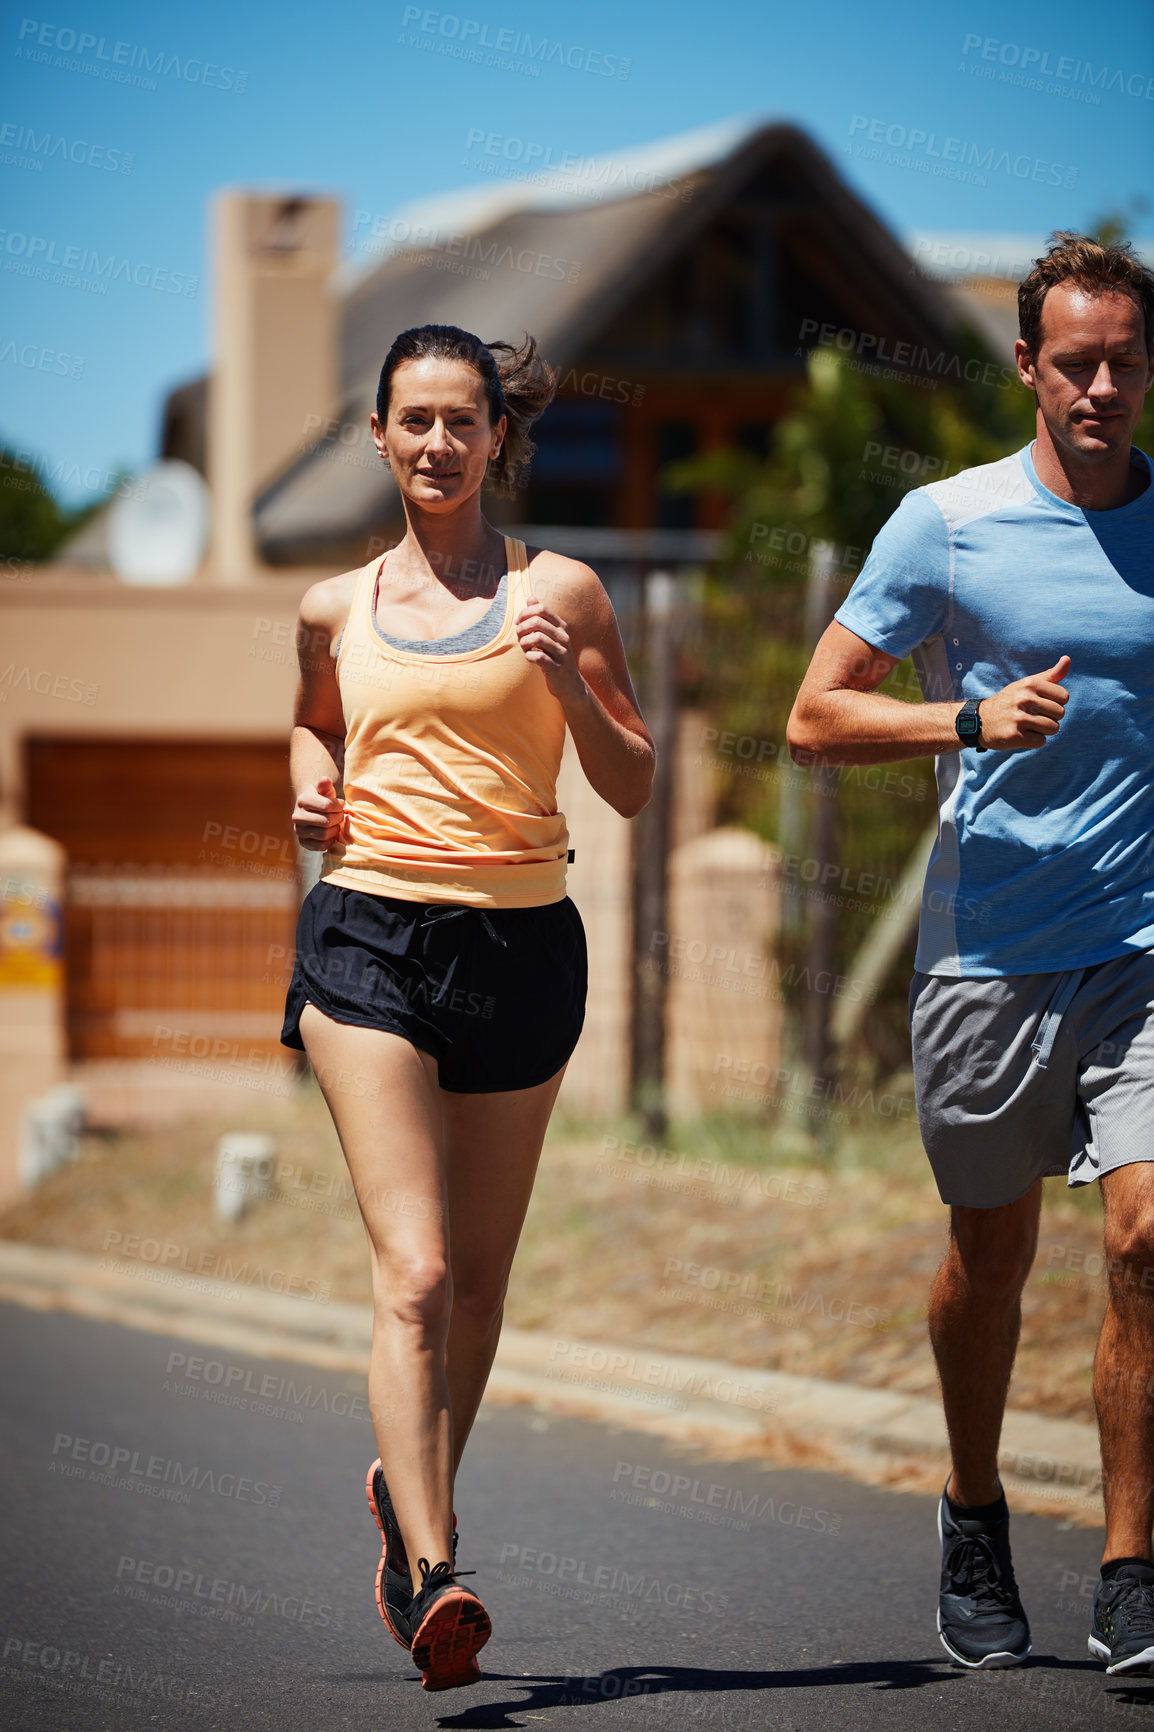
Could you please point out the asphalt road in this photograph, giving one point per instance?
(186, 1543)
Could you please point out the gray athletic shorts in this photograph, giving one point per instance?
(1033, 1075)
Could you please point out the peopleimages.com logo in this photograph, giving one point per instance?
(466, 37)
(896, 145)
(1030, 65)
(63, 47)
(33, 255)
(45, 147)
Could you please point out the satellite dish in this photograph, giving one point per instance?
(157, 532)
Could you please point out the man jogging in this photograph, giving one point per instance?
(1024, 590)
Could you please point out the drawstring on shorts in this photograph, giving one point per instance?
(448, 911)
(1042, 1044)
(439, 911)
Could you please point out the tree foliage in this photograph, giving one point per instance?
(840, 463)
(33, 524)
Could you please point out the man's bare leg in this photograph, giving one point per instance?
(1124, 1362)
(975, 1316)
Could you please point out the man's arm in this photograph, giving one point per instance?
(840, 717)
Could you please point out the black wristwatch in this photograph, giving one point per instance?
(968, 724)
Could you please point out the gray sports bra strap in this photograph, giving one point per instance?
(474, 636)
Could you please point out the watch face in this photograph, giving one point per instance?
(967, 723)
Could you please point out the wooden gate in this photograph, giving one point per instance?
(182, 892)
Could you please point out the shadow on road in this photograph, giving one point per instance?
(623, 1682)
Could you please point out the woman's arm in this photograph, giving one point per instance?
(570, 632)
(317, 752)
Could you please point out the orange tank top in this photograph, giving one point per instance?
(451, 764)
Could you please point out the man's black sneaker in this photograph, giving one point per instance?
(1122, 1633)
(450, 1627)
(980, 1617)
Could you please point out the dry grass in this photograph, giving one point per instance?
(728, 1244)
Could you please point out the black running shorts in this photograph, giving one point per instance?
(495, 995)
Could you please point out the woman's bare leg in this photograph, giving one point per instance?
(386, 1105)
(492, 1146)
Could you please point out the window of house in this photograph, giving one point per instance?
(674, 440)
(578, 465)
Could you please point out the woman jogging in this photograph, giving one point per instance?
(439, 985)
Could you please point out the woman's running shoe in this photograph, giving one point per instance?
(394, 1586)
(394, 1578)
(450, 1627)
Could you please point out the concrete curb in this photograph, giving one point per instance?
(1050, 1466)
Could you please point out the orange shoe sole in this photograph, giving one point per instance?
(451, 1635)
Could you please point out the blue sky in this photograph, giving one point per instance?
(364, 100)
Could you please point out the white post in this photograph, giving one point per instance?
(244, 1169)
(33, 1051)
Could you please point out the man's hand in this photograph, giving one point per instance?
(1022, 716)
(544, 637)
(319, 816)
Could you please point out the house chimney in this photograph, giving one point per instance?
(275, 365)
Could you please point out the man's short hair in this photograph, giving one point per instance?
(1096, 269)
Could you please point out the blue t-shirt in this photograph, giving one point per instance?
(1044, 859)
